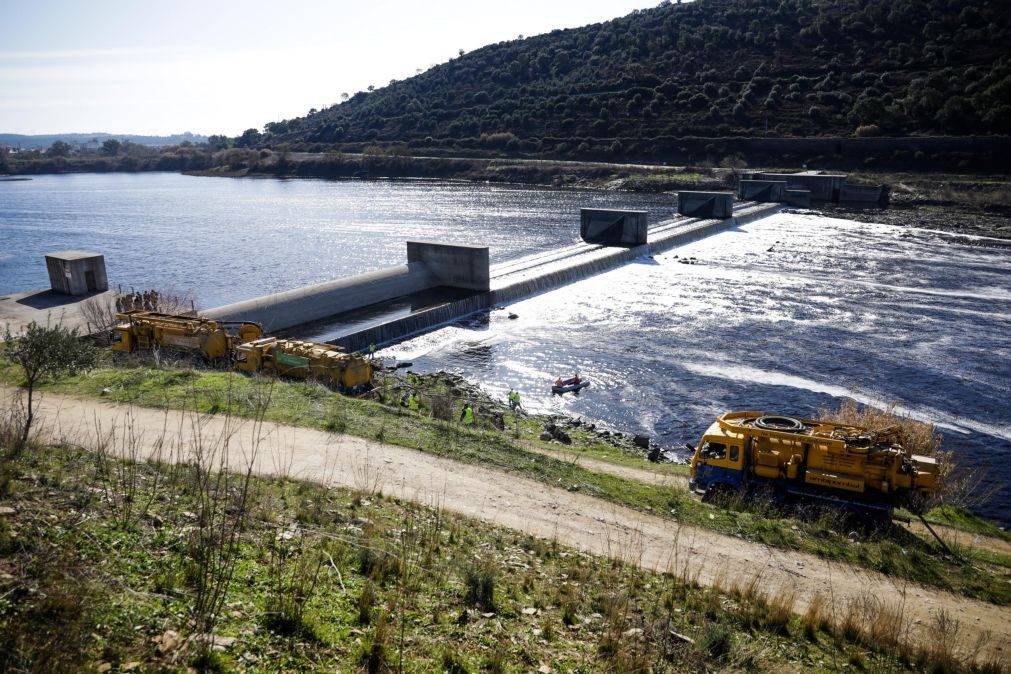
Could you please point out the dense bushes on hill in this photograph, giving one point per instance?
(720, 68)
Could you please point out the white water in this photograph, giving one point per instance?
(787, 314)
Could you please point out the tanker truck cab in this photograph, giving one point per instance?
(718, 464)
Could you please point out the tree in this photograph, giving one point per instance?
(110, 148)
(249, 138)
(44, 352)
(58, 149)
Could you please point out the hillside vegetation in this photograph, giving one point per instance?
(713, 68)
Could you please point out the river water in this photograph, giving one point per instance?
(788, 314)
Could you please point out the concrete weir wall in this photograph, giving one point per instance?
(582, 261)
(428, 265)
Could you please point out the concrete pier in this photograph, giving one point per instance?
(706, 204)
(613, 228)
(764, 191)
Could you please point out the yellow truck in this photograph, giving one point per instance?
(141, 329)
(864, 471)
(347, 372)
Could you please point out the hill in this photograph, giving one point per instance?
(711, 68)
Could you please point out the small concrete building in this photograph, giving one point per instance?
(822, 186)
(706, 204)
(613, 228)
(74, 272)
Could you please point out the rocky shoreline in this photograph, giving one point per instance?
(443, 386)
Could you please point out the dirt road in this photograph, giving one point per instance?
(520, 504)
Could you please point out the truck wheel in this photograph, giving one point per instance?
(787, 424)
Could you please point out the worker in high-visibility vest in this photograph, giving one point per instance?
(372, 351)
(516, 401)
(412, 402)
(467, 415)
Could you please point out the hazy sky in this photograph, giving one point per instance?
(134, 66)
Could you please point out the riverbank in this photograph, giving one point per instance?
(501, 441)
(346, 567)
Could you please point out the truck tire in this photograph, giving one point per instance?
(785, 424)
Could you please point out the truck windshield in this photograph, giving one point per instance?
(714, 450)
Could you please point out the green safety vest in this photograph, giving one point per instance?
(468, 415)
(516, 397)
(412, 402)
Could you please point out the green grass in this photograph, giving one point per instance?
(896, 553)
(396, 580)
(962, 519)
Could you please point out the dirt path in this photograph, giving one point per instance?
(520, 504)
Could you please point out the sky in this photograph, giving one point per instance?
(220, 67)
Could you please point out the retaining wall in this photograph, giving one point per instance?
(613, 228)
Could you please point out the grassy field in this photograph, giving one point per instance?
(502, 441)
(107, 565)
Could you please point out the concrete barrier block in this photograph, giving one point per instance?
(455, 265)
(613, 228)
(765, 191)
(75, 272)
(706, 204)
(799, 198)
(872, 196)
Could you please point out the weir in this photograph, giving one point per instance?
(443, 283)
(517, 279)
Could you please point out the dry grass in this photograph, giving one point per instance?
(818, 616)
(957, 485)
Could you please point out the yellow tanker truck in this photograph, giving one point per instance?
(293, 358)
(864, 471)
(141, 329)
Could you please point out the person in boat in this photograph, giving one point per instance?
(558, 382)
(575, 379)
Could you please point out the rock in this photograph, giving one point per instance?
(654, 455)
(463, 618)
(7, 510)
(530, 611)
(513, 316)
(633, 633)
(545, 436)
(167, 641)
(641, 441)
(544, 669)
(103, 667)
(563, 437)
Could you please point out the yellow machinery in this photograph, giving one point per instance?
(863, 470)
(294, 358)
(213, 339)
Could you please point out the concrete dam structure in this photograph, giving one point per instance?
(429, 265)
(390, 305)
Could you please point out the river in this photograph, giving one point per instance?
(788, 314)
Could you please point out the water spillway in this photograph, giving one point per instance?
(442, 283)
(516, 279)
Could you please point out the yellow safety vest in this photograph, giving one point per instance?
(412, 402)
(468, 415)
